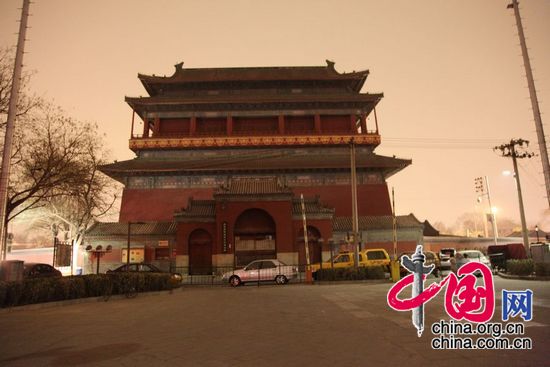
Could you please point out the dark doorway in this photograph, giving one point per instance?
(254, 237)
(200, 252)
(314, 246)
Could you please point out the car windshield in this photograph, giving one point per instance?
(448, 251)
(471, 254)
(376, 255)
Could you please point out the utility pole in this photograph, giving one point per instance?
(509, 150)
(306, 244)
(10, 125)
(355, 217)
(534, 101)
(482, 188)
(394, 225)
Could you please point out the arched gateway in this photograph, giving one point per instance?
(254, 236)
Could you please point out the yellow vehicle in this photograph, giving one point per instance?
(368, 257)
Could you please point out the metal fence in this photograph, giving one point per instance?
(220, 275)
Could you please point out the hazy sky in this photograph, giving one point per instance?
(451, 72)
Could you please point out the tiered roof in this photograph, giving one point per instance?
(254, 88)
(383, 222)
(268, 162)
(188, 78)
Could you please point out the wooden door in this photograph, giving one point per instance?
(200, 252)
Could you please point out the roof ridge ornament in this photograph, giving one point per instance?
(330, 64)
(179, 67)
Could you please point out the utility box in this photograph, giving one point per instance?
(11, 271)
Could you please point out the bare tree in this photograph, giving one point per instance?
(26, 102)
(470, 223)
(442, 228)
(55, 163)
(76, 207)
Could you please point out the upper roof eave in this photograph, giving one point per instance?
(242, 74)
(389, 166)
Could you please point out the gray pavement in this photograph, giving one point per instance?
(293, 325)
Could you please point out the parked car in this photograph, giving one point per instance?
(466, 256)
(368, 257)
(431, 258)
(263, 271)
(36, 270)
(143, 267)
(445, 256)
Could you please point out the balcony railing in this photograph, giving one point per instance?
(255, 133)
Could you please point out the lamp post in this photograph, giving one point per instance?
(537, 232)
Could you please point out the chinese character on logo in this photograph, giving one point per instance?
(517, 303)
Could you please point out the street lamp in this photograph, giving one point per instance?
(537, 232)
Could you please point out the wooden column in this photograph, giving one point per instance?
(376, 120)
(145, 127)
(317, 123)
(156, 128)
(229, 125)
(363, 123)
(132, 129)
(193, 127)
(352, 120)
(281, 124)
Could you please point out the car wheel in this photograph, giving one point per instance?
(235, 281)
(280, 279)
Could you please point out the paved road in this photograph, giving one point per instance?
(294, 325)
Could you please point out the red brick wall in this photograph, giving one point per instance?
(157, 204)
(402, 246)
(160, 204)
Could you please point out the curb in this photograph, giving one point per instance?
(523, 277)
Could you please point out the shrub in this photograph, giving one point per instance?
(362, 273)
(520, 267)
(3, 292)
(64, 288)
(541, 269)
